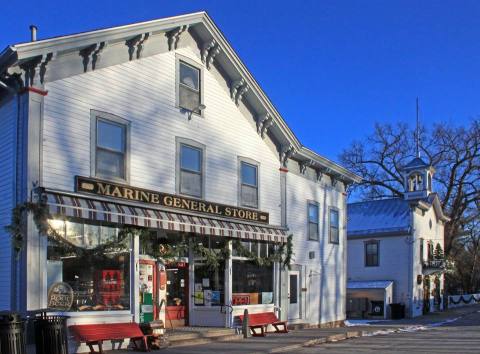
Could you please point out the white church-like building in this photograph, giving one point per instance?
(395, 250)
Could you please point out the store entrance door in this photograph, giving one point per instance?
(294, 295)
(177, 295)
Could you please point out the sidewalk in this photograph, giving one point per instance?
(289, 342)
(294, 340)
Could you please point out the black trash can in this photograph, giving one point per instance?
(50, 334)
(397, 311)
(12, 334)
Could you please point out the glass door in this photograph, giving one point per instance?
(294, 295)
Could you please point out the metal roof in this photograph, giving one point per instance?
(416, 162)
(378, 217)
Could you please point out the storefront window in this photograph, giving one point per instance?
(252, 284)
(209, 285)
(95, 261)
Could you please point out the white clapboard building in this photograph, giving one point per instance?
(395, 250)
(160, 126)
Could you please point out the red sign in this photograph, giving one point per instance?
(240, 300)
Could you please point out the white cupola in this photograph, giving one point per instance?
(417, 179)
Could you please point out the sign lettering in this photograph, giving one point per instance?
(109, 189)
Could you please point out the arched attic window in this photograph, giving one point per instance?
(415, 182)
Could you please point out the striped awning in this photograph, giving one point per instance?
(63, 205)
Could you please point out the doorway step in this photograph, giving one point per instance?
(188, 336)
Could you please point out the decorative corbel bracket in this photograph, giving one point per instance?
(303, 166)
(212, 53)
(319, 175)
(264, 122)
(240, 93)
(334, 178)
(174, 36)
(47, 58)
(235, 86)
(29, 70)
(207, 46)
(91, 54)
(135, 45)
(209, 51)
(285, 152)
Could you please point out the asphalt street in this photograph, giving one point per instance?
(457, 337)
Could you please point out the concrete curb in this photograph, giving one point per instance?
(350, 334)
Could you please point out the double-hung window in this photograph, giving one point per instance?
(191, 170)
(189, 87)
(248, 185)
(334, 226)
(110, 148)
(313, 221)
(371, 253)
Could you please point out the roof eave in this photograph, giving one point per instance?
(73, 41)
(69, 42)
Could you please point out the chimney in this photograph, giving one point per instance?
(33, 32)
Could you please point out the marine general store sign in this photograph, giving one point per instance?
(115, 190)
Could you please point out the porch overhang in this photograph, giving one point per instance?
(66, 205)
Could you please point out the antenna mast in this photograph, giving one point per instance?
(417, 137)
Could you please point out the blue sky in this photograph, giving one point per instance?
(332, 68)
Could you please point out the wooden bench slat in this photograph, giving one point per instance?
(97, 333)
(262, 320)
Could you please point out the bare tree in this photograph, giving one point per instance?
(453, 151)
(466, 252)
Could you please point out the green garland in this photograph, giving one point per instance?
(40, 217)
(283, 254)
(211, 257)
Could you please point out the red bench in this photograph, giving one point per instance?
(262, 320)
(95, 334)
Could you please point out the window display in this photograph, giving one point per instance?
(95, 261)
(252, 284)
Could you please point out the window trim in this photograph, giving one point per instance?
(96, 115)
(371, 242)
(180, 58)
(252, 162)
(194, 144)
(317, 205)
(330, 209)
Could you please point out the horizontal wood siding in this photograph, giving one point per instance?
(325, 274)
(8, 113)
(143, 92)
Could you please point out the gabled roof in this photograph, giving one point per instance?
(384, 217)
(20, 57)
(433, 201)
(416, 164)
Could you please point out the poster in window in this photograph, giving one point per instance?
(207, 297)
(267, 298)
(198, 297)
(215, 298)
(206, 282)
(198, 287)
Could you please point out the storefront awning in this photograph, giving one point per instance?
(64, 205)
(369, 284)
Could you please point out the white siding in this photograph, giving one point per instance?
(143, 92)
(8, 113)
(324, 278)
(435, 235)
(393, 258)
